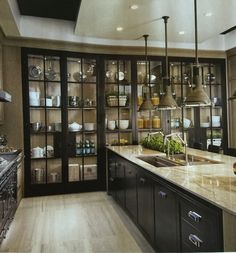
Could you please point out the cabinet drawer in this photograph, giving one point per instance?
(194, 240)
(198, 215)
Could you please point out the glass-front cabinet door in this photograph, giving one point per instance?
(201, 126)
(82, 119)
(118, 105)
(44, 96)
(149, 121)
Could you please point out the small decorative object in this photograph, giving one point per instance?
(3, 140)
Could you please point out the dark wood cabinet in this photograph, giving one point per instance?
(200, 226)
(171, 219)
(120, 181)
(166, 219)
(145, 200)
(131, 190)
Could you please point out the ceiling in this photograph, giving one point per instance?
(95, 21)
(100, 19)
(62, 9)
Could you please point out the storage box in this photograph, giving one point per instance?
(74, 172)
(89, 171)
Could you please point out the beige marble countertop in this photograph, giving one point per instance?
(215, 183)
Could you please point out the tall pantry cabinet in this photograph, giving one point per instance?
(60, 122)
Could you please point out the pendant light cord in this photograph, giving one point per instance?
(196, 32)
(146, 59)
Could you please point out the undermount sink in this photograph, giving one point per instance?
(176, 160)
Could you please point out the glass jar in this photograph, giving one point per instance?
(139, 100)
(155, 99)
(146, 122)
(140, 123)
(156, 123)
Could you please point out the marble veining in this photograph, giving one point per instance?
(215, 183)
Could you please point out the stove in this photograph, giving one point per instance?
(3, 162)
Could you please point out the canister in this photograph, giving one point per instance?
(156, 123)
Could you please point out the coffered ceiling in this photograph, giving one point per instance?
(96, 21)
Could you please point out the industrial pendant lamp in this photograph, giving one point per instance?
(197, 96)
(147, 104)
(167, 101)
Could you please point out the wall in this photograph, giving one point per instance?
(13, 112)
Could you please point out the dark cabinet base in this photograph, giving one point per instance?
(171, 219)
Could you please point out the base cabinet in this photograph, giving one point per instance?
(145, 204)
(131, 190)
(166, 219)
(171, 219)
(200, 227)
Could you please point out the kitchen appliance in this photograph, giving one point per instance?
(5, 96)
(39, 175)
(36, 126)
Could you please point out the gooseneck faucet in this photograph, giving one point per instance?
(167, 141)
(154, 133)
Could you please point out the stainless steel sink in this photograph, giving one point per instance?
(176, 160)
(158, 161)
(193, 159)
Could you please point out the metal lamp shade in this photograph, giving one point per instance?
(167, 101)
(197, 96)
(146, 105)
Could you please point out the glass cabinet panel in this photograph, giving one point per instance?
(148, 121)
(118, 108)
(45, 118)
(201, 126)
(82, 119)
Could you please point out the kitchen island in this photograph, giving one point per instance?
(212, 186)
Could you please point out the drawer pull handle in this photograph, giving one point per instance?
(162, 194)
(142, 180)
(195, 240)
(194, 216)
(111, 179)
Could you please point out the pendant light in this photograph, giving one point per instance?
(167, 101)
(147, 104)
(197, 96)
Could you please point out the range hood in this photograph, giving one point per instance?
(5, 96)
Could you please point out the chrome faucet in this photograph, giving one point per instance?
(166, 140)
(154, 133)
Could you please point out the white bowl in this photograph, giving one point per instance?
(74, 127)
(89, 126)
(122, 124)
(34, 102)
(215, 119)
(205, 124)
(187, 123)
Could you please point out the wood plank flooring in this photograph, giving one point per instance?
(85, 222)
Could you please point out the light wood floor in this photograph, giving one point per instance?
(85, 222)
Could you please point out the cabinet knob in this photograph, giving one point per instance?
(162, 194)
(142, 180)
(130, 172)
(194, 216)
(195, 240)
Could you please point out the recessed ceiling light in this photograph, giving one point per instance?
(119, 28)
(134, 7)
(181, 32)
(208, 14)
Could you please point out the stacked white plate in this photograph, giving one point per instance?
(215, 121)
